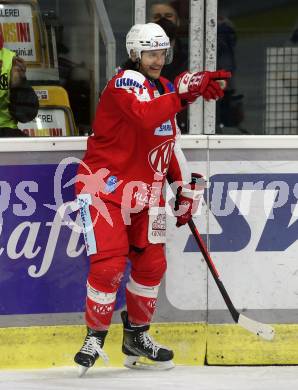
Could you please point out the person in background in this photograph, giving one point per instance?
(294, 36)
(166, 15)
(229, 110)
(18, 101)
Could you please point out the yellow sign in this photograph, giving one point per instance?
(16, 28)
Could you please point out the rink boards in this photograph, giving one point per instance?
(248, 218)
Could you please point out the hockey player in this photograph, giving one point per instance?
(135, 148)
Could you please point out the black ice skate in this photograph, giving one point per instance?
(91, 350)
(137, 343)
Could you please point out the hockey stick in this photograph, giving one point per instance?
(263, 330)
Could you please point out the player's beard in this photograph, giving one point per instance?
(150, 73)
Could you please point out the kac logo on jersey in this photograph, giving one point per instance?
(164, 129)
(160, 157)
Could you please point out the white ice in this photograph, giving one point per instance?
(180, 378)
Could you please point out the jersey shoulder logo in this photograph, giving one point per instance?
(160, 157)
(130, 79)
(125, 82)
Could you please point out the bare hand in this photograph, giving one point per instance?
(18, 71)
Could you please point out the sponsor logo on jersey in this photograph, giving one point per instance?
(125, 82)
(160, 157)
(164, 129)
(159, 224)
(147, 195)
(111, 184)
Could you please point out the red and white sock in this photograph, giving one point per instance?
(99, 308)
(141, 302)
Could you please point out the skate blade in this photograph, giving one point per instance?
(140, 363)
(82, 370)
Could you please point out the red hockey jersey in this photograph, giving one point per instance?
(135, 144)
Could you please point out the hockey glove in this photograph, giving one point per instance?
(188, 199)
(209, 85)
(24, 104)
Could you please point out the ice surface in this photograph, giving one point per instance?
(184, 378)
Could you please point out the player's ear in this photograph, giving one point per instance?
(133, 56)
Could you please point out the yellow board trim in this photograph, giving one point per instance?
(52, 346)
(233, 345)
(194, 344)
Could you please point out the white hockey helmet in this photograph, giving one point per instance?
(149, 36)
